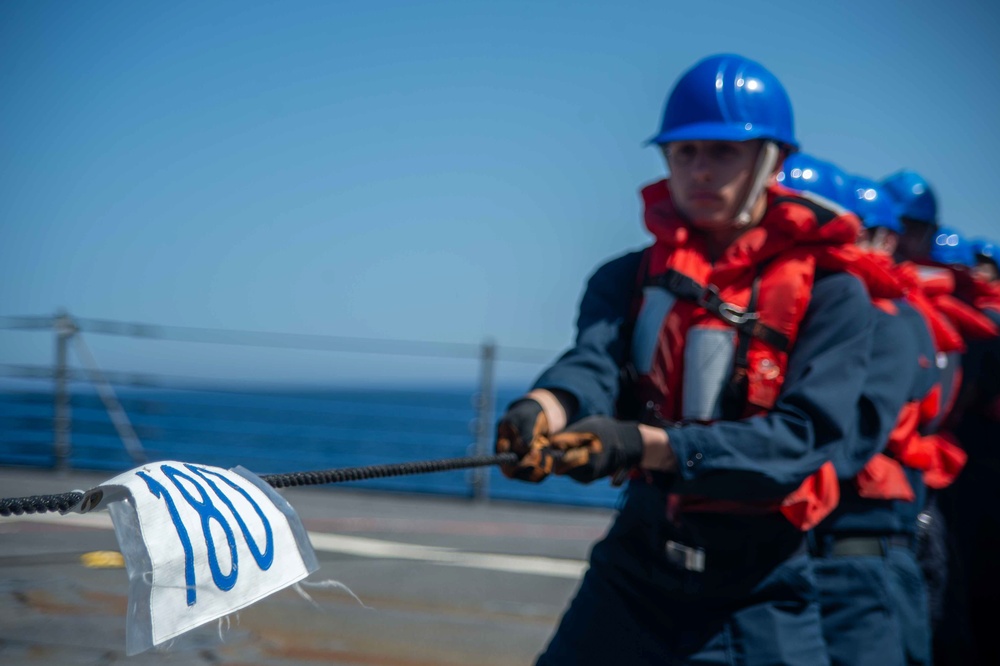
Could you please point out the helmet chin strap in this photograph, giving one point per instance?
(766, 161)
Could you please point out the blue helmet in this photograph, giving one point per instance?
(809, 174)
(913, 196)
(950, 247)
(727, 98)
(873, 205)
(985, 249)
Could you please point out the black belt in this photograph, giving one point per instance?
(858, 546)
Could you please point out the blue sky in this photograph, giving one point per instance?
(445, 171)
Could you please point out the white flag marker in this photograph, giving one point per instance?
(199, 543)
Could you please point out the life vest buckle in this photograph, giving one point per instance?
(732, 314)
(736, 315)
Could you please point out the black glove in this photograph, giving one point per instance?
(524, 430)
(595, 447)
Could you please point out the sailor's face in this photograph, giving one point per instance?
(916, 240)
(709, 179)
(986, 271)
(879, 239)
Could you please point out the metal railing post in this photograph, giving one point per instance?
(62, 415)
(484, 419)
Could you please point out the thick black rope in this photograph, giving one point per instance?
(39, 503)
(380, 471)
(64, 502)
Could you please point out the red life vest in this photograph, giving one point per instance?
(919, 293)
(711, 340)
(985, 295)
(936, 455)
(883, 476)
(928, 290)
(943, 286)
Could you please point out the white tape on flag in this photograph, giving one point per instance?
(199, 543)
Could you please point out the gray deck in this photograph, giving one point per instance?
(459, 607)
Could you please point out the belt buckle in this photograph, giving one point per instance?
(689, 557)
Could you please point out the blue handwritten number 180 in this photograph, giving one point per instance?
(208, 512)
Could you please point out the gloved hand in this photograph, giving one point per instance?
(595, 447)
(524, 430)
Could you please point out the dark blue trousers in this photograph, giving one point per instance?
(910, 600)
(754, 604)
(875, 610)
(968, 633)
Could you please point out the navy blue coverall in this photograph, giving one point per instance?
(872, 593)
(971, 512)
(748, 595)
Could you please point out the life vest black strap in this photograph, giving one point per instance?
(626, 406)
(747, 321)
(736, 395)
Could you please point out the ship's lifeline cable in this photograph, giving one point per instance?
(65, 502)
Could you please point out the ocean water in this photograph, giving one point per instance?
(271, 430)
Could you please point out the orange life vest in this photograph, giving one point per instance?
(711, 340)
(985, 295)
(883, 476)
(942, 285)
(937, 455)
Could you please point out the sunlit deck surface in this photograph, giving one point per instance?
(421, 563)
